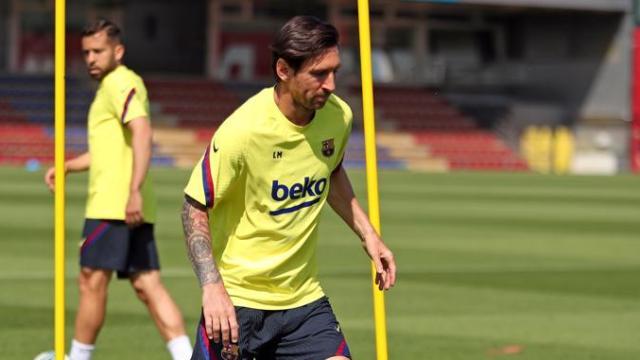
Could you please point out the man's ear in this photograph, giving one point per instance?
(119, 52)
(283, 70)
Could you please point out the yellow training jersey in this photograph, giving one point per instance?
(121, 97)
(266, 180)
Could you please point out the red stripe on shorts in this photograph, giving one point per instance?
(341, 348)
(97, 232)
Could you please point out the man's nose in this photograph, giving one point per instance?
(329, 84)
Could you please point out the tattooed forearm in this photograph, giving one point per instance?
(195, 222)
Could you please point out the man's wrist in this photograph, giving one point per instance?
(213, 286)
(368, 233)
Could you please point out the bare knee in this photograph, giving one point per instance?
(338, 358)
(144, 283)
(93, 281)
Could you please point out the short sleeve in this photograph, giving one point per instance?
(127, 100)
(220, 165)
(348, 121)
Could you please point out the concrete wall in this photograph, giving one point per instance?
(609, 95)
(580, 61)
(165, 36)
(4, 33)
(602, 5)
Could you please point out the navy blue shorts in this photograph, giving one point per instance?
(309, 332)
(112, 245)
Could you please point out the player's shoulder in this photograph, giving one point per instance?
(231, 137)
(338, 102)
(233, 129)
(247, 121)
(241, 123)
(338, 108)
(252, 111)
(122, 78)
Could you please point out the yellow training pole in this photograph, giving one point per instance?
(372, 167)
(59, 164)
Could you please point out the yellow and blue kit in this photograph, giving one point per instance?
(265, 181)
(121, 97)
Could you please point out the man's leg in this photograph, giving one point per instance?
(92, 284)
(164, 311)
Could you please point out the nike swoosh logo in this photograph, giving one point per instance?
(215, 149)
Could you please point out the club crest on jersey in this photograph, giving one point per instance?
(327, 147)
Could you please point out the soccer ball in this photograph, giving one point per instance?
(48, 355)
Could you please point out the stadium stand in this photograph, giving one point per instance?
(21, 137)
(412, 109)
(20, 143)
(426, 131)
(471, 150)
(191, 110)
(26, 120)
(417, 128)
(194, 103)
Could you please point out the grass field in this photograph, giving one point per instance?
(486, 262)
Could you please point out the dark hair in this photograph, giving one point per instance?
(112, 30)
(300, 39)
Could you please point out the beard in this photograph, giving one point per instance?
(98, 73)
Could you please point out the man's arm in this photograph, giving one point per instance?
(77, 164)
(141, 146)
(344, 203)
(217, 308)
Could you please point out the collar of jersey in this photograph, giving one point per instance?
(280, 116)
(117, 69)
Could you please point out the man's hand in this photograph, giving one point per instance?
(344, 203)
(50, 178)
(217, 308)
(219, 314)
(79, 163)
(133, 212)
(382, 259)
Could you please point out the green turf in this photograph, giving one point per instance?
(485, 261)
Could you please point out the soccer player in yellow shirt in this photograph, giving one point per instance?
(121, 208)
(253, 203)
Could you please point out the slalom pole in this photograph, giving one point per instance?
(59, 218)
(372, 168)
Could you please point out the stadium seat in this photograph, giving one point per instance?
(446, 136)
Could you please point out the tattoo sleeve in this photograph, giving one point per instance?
(195, 221)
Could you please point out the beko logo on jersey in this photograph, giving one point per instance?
(281, 192)
(309, 188)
